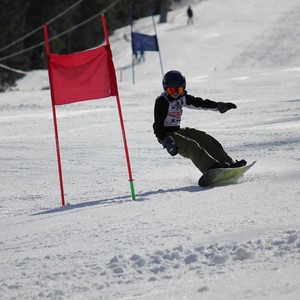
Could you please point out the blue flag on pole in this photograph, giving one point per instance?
(143, 42)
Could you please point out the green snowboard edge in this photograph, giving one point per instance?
(221, 175)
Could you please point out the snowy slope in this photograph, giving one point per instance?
(177, 240)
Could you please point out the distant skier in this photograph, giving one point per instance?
(190, 15)
(204, 150)
(139, 56)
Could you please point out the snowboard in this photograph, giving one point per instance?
(221, 175)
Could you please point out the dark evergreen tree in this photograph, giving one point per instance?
(12, 24)
(40, 12)
(164, 8)
(20, 17)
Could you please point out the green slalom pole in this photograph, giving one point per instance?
(132, 190)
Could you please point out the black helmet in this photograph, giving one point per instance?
(173, 79)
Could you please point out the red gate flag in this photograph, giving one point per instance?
(82, 76)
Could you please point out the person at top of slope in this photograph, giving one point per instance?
(205, 151)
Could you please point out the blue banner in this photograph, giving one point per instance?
(143, 42)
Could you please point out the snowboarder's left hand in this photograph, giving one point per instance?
(223, 107)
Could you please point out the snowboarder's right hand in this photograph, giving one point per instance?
(169, 144)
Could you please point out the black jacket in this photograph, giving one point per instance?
(167, 112)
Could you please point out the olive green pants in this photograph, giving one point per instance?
(201, 148)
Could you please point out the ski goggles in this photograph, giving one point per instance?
(173, 90)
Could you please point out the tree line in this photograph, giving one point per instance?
(20, 17)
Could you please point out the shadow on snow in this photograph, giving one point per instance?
(118, 200)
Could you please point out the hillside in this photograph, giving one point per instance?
(177, 240)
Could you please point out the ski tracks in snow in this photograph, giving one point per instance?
(121, 273)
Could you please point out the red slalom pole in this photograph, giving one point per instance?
(54, 121)
(121, 119)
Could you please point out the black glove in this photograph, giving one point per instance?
(169, 144)
(223, 107)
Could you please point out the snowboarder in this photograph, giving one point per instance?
(189, 12)
(205, 151)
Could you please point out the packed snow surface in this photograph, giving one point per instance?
(176, 240)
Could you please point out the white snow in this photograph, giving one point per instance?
(177, 240)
